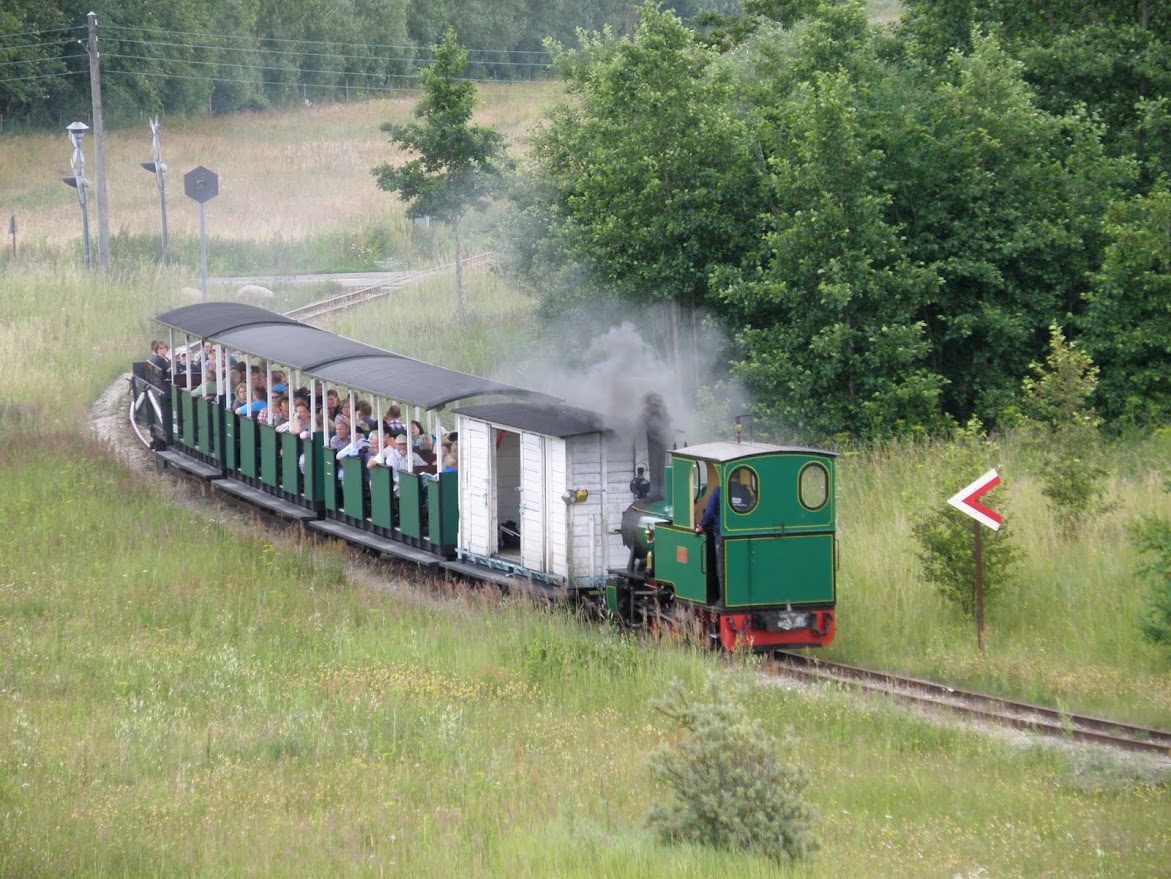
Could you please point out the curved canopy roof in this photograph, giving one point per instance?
(207, 319)
(336, 359)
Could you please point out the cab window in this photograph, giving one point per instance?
(743, 490)
(813, 486)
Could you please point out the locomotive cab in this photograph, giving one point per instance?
(766, 575)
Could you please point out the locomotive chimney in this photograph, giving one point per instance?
(659, 435)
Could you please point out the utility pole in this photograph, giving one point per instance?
(95, 88)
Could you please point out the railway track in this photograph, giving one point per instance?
(351, 298)
(978, 706)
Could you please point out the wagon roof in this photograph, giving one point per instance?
(732, 451)
(323, 355)
(546, 418)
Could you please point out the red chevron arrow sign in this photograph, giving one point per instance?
(966, 500)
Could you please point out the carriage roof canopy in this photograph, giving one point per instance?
(265, 334)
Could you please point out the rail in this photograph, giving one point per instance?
(991, 709)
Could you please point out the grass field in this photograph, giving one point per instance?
(185, 693)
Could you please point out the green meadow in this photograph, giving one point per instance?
(186, 692)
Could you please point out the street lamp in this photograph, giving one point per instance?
(77, 131)
(159, 170)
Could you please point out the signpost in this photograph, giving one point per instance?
(966, 500)
(202, 185)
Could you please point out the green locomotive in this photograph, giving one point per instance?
(763, 573)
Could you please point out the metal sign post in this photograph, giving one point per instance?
(202, 185)
(966, 500)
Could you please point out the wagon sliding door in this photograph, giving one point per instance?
(533, 499)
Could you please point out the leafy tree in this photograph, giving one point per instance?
(1057, 400)
(647, 210)
(456, 163)
(32, 69)
(732, 787)
(945, 538)
(1127, 321)
(1003, 201)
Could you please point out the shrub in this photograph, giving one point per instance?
(945, 537)
(1152, 536)
(732, 788)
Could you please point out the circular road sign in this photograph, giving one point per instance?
(201, 184)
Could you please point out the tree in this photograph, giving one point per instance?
(456, 163)
(1057, 401)
(644, 211)
(1126, 326)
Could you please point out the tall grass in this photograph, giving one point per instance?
(1066, 634)
(184, 692)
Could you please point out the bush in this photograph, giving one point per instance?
(732, 788)
(1152, 536)
(945, 537)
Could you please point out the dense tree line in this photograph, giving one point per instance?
(172, 57)
(889, 221)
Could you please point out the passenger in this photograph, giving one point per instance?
(420, 442)
(158, 357)
(300, 423)
(277, 414)
(341, 438)
(365, 419)
(333, 403)
(394, 456)
(450, 464)
(279, 385)
(209, 370)
(393, 421)
(243, 407)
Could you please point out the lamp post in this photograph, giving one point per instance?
(77, 131)
(159, 170)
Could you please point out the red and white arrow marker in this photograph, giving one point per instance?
(966, 500)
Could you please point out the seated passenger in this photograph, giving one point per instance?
(243, 407)
(158, 357)
(450, 464)
(276, 415)
(341, 437)
(392, 421)
(394, 456)
(419, 439)
(365, 417)
(299, 424)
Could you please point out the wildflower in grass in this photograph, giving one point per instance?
(732, 787)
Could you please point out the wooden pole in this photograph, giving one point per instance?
(979, 589)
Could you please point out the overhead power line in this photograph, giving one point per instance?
(138, 31)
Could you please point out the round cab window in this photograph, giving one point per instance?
(813, 486)
(742, 490)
